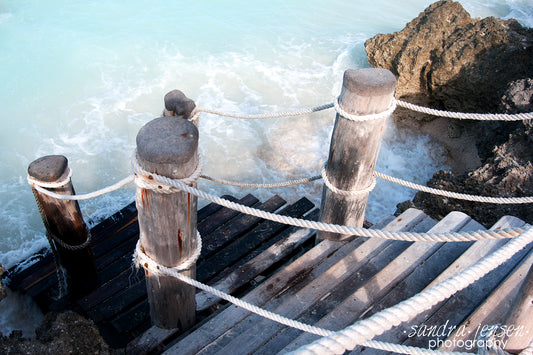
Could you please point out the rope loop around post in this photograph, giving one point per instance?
(145, 179)
(363, 118)
(141, 259)
(50, 185)
(338, 191)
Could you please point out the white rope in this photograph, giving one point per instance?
(467, 116)
(263, 186)
(326, 227)
(87, 196)
(50, 185)
(485, 199)
(362, 118)
(337, 191)
(140, 259)
(265, 115)
(366, 329)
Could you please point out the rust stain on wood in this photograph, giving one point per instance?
(144, 198)
(180, 241)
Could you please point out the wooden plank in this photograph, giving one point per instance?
(309, 266)
(132, 318)
(254, 267)
(492, 311)
(109, 289)
(211, 208)
(108, 245)
(458, 307)
(113, 224)
(369, 257)
(326, 305)
(117, 303)
(222, 236)
(223, 215)
(244, 274)
(237, 249)
(376, 287)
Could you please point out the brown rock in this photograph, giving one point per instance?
(447, 60)
(60, 333)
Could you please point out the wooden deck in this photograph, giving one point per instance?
(280, 268)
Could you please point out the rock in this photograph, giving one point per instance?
(60, 333)
(451, 61)
(446, 60)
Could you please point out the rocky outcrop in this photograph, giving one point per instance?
(60, 333)
(447, 60)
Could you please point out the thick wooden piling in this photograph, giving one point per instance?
(355, 146)
(64, 222)
(168, 146)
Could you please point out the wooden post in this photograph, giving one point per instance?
(64, 220)
(168, 146)
(354, 146)
(519, 322)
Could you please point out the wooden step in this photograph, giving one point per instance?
(305, 290)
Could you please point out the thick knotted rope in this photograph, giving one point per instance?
(366, 329)
(333, 228)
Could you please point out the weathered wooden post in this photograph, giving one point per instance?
(168, 146)
(64, 222)
(354, 146)
(519, 322)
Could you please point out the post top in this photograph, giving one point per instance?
(49, 168)
(167, 140)
(179, 104)
(369, 81)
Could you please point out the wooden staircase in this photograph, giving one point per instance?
(334, 284)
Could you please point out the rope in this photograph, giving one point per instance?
(366, 329)
(140, 259)
(87, 196)
(50, 185)
(263, 186)
(363, 118)
(337, 191)
(265, 115)
(485, 199)
(332, 228)
(147, 180)
(467, 116)
(375, 325)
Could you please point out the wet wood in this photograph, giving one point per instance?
(64, 220)
(168, 146)
(355, 146)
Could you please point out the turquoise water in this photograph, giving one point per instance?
(79, 78)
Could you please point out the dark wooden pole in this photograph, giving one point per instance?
(355, 146)
(64, 220)
(519, 322)
(168, 146)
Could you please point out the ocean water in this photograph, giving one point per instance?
(80, 78)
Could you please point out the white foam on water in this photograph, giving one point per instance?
(80, 79)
